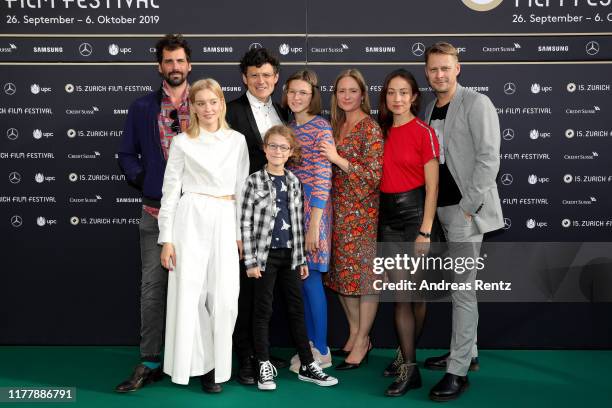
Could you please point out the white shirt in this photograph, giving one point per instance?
(265, 114)
(215, 164)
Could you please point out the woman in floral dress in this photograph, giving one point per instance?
(357, 159)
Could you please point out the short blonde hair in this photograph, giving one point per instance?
(441, 48)
(337, 115)
(201, 85)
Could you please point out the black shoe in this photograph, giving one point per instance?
(208, 383)
(439, 363)
(408, 377)
(278, 362)
(141, 376)
(246, 372)
(450, 387)
(352, 366)
(340, 352)
(392, 369)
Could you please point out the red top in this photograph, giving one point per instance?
(407, 148)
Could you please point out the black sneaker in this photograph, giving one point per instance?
(267, 372)
(314, 374)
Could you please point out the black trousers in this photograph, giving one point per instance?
(278, 269)
(243, 331)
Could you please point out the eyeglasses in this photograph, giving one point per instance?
(176, 124)
(293, 92)
(282, 148)
(265, 75)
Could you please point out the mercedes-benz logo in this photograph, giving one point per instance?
(509, 88)
(12, 134)
(507, 179)
(508, 134)
(10, 88)
(85, 49)
(14, 177)
(418, 49)
(592, 47)
(507, 223)
(255, 46)
(16, 221)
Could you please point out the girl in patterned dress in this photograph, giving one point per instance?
(357, 157)
(302, 96)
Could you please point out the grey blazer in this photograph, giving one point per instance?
(471, 147)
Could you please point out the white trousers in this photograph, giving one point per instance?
(202, 290)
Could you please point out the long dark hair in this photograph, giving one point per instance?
(385, 117)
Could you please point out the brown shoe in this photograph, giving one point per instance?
(141, 376)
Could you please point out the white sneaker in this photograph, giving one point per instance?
(314, 374)
(267, 372)
(323, 361)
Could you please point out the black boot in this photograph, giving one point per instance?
(208, 383)
(392, 369)
(246, 371)
(408, 377)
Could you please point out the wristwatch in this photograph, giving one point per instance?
(425, 234)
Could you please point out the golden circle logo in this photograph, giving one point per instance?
(482, 5)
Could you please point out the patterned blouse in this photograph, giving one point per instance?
(355, 206)
(315, 174)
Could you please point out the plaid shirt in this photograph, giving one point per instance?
(165, 122)
(257, 218)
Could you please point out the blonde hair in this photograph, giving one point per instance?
(205, 84)
(287, 133)
(441, 48)
(337, 115)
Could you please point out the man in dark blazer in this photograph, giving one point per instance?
(252, 114)
(467, 126)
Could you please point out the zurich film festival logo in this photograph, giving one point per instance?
(482, 5)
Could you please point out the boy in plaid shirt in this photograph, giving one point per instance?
(273, 240)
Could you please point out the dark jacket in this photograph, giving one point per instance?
(240, 118)
(140, 153)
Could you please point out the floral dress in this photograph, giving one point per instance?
(355, 210)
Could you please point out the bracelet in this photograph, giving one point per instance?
(425, 234)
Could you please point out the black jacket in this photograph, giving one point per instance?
(240, 118)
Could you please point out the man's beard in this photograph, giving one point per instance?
(176, 80)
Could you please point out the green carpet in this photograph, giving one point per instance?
(506, 379)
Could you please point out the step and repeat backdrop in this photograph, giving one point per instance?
(69, 69)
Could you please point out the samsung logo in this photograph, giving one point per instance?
(217, 49)
(48, 49)
(380, 49)
(553, 48)
(478, 88)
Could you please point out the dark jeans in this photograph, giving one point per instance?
(153, 289)
(278, 268)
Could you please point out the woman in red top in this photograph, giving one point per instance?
(408, 194)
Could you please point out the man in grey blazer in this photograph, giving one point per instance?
(467, 126)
